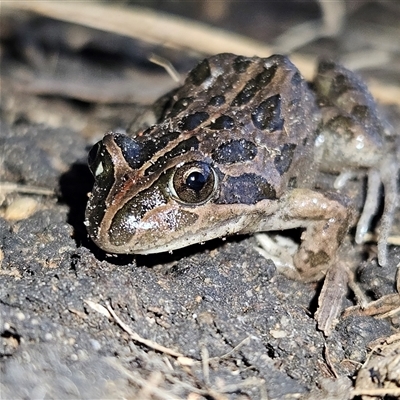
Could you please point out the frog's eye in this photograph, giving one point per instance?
(99, 161)
(193, 183)
(94, 159)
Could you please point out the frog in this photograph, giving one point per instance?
(236, 150)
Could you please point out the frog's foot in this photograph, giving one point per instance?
(330, 300)
(281, 249)
(343, 178)
(386, 176)
(338, 280)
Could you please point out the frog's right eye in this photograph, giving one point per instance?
(193, 183)
(99, 161)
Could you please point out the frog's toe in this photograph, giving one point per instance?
(386, 175)
(343, 178)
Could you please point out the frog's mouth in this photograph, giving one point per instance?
(170, 227)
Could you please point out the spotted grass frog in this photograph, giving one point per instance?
(236, 149)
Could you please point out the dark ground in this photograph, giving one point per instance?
(248, 332)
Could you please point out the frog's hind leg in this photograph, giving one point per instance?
(389, 171)
(386, 176)
(370, 205)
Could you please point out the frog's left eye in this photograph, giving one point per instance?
(94, 159)
(100, 163)
(193, 183)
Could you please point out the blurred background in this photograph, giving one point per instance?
(90, 59)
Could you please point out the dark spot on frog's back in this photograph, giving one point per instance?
(341, 84)
(360, 112)
(192, 121)
(317, 259)
(245, 95)
(235, 151)
(179, 106)
(284, 159)
(325, 66)
(253, 86)
(200, 73)
(341, 125)
(182, 147)
(135, 153)
(218, 100)
(245, 189)
(240, 64)
(222, 122)
(266, 76)
(267, 116)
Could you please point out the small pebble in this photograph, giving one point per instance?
(277, 334)
(20, 316)
(95, 344)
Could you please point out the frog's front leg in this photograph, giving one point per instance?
(326, 218)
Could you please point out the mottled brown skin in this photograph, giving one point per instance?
(235, 150)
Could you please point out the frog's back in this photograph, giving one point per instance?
(253, 118)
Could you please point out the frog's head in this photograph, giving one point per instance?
(149, 199)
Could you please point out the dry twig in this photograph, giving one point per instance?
(149, 343)
(176, 32)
